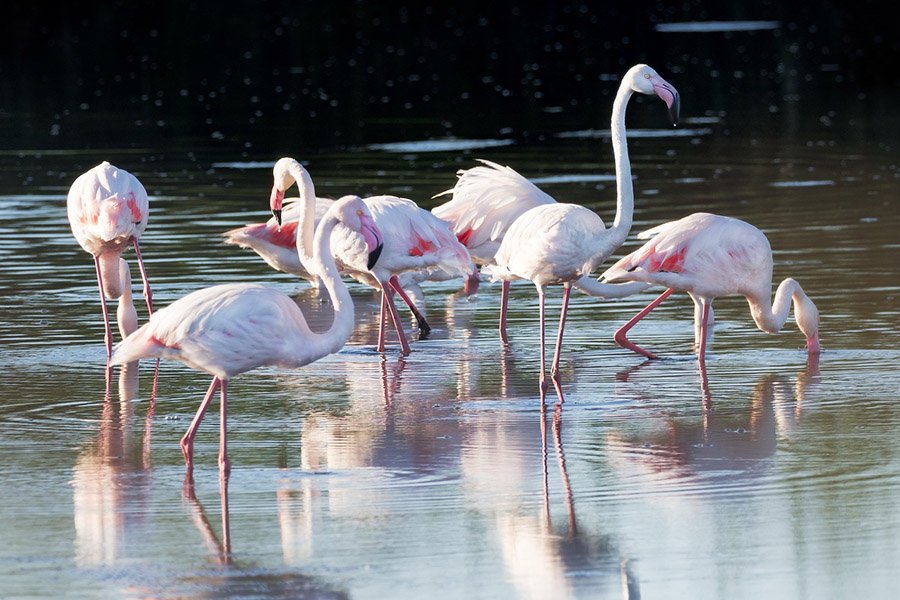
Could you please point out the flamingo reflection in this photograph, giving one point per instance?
(111, 479)
(219, 545)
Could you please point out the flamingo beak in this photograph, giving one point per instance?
(275, 202)
(373, 238)
(667, 92)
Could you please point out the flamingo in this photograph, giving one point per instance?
(709, 256)
(228, 329)
(108, 211)
(557, 243)
(416, 241)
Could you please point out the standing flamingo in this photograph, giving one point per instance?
(416, 241)
(228, 329)
(709, 256)
(563, 243)
(108, 210)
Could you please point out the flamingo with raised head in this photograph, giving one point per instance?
(709, 256)
(108, 211)
(416, 242)
(562, 243)
(228, 329)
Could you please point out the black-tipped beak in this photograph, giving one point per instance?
(373, 256)
(277, 214)
(675, 109)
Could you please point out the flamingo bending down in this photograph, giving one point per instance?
(228, 329)
(415, 241)
(108, 211)
(708, 256)
(485, 202)
(563, 243)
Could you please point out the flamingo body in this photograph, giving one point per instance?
(708, 256)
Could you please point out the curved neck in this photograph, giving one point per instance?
(624, 186)
(323, 264)
(306, 226)
(772, 317)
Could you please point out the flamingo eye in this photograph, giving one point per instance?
(359, 213)
(646, 75)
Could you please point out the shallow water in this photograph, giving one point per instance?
(368, 475)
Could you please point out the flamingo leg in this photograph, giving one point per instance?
(698, 318)
(424, 327)
(395, 317)
(554, 369)
(148, 295)
(543, 378)
(621, 335)
(107, 335)
(704, 325)
(187, 441)
(224, 465)
(504, 301)
(381, 322)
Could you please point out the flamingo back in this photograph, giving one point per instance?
(709, 255)
(487, 199)
(107, 208)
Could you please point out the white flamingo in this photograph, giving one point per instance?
(228, 329)
(108, 211)
(709, 256)
(557, 243)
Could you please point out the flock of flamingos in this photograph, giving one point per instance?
(497, 223)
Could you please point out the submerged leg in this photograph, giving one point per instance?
(504, 301)
(187, 441)
(424, 327)
(621, 335)
(554, 368)
(148, 295)
(107, 335)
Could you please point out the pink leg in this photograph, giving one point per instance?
(224, 465)
(543, 378)
(187, 441)
(107, 336)
(381, 322)
(395, 317)
(704, 324)
(424, 327)
(620, 335)
(148, 295)
(554, 369)
(504, 301)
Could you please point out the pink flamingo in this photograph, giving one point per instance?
(108, 211)
(228, 329)
(709, 256)
(485, 202)
(563, 243)
(416, 241)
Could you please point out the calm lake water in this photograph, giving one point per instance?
(369, 475)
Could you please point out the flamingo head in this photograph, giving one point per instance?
(807, 316)
(285, 173)
(355, 215)
(645, 80)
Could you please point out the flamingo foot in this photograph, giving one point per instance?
(624, 342)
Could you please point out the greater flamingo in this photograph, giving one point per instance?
(228, 329)
(415, 241)
(709, 256)
(562, 243)
(108, 210)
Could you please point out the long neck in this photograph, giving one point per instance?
(624, 186)
(306, 226)
(771, 317)
(324, 266)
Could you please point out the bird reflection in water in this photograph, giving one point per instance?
(111, 482)
(219, 545)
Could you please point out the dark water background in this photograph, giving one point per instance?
(371, 476)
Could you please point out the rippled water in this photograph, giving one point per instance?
(435, 475)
